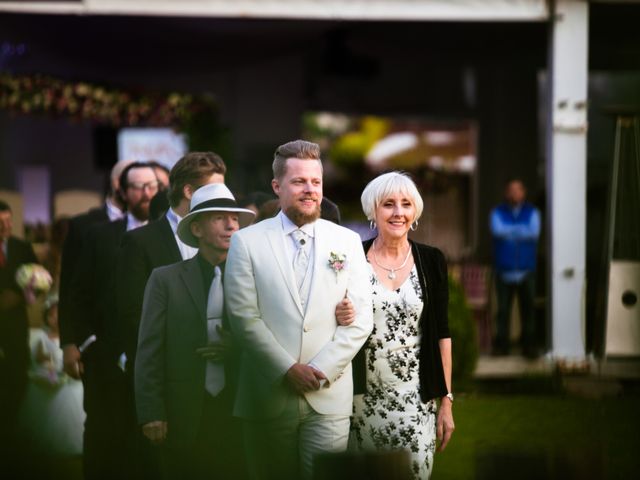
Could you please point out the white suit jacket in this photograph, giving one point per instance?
(275, 331)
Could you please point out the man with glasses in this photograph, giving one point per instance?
(94, 329)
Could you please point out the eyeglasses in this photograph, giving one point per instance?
(143, 186)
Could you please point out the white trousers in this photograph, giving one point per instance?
(284, 447)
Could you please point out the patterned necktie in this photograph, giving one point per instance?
(214, 380)
(301, 259)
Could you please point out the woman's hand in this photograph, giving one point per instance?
(444, 423)
(345, 313)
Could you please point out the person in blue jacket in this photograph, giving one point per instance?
(515, 227)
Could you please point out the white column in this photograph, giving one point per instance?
(567, 178)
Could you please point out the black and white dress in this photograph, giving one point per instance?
(390, 415)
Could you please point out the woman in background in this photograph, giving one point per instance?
(52, 413)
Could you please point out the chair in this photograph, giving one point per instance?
(476, 283)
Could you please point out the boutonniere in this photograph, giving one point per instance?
(337, 262)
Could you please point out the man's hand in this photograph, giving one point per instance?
(303, 378)
(345, 313)
(72, 361)
(444, 424)
(155, 431)
(218, 351)
(322, 379)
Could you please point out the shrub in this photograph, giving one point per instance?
(463, 334)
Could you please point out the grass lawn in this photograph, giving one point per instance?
(542, 436)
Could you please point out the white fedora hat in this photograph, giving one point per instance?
(214, 197)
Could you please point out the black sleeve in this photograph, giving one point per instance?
(70, 253)
(132, 272)
(441, 293)
(81, 293)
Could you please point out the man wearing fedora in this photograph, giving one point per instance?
(183, 379)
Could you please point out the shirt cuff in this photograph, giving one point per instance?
(324, 383)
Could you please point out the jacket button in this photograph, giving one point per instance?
(306, 329)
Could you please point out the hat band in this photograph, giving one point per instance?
(220, 203)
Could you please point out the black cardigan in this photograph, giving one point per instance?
(434, 323)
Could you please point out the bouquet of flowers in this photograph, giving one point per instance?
(33, 279)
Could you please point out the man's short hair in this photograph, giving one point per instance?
(156, 164)
(4, 206)
(124, 181)
(193, 169)
(296, 149)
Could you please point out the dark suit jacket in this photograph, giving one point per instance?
(434, 323)
(169, 374)
(78, 227)
(93, 293)
(14, 324)
(142, 250)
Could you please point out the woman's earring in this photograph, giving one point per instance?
(414, 226)
(372, 225)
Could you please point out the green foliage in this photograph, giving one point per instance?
(463, 334)
(351, 148)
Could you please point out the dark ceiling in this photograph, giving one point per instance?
(95, 47)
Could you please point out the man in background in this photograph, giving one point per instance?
(92, 334)
(111, 210)
(14, 333)
(157, 244)
(515, 227)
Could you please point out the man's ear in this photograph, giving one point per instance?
(196, 228)
(187, 191)
(276, 187)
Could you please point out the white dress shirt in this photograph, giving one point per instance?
(133, 222)
(186, 251)
(287, 228)
(113, 212)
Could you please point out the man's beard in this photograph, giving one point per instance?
(300, 218)
(140, 210)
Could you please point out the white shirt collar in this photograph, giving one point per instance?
(288, 226)
(174, 219)
(113, 212)
(133, 222)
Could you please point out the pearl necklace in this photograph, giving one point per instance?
(392, 271)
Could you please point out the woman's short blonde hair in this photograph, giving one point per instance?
(384, 186)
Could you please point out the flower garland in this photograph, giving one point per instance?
(39, 94)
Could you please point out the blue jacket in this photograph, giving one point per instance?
(515, 237)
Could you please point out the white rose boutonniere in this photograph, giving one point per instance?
(337, 262)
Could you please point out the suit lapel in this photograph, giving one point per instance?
(169, 240)
(278, 247)
(320, 259)
(192, 278)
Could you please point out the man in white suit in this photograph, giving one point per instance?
(283, 280)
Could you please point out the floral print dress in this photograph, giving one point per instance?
(390, 415)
